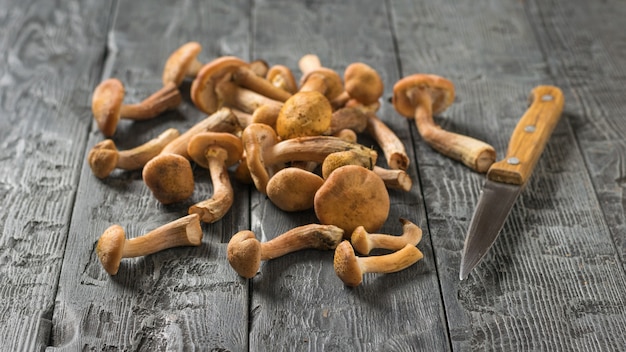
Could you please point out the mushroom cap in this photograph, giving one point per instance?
(440, 89)
(281, 76)
(259, 67)
(347, 157)
(334, 84)
(103, 158)
(346, 265)
(178, 63)
(256, 137)
(293, 189)
(304, 114)
(110, 248)
(351, 196)
(202, 142)
(363, 83)
(106, 104)
(203, 92)
(169, 177)
(244, 253)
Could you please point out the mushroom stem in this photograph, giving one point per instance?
(392, 147)
(364, 242)
(164, 99)
(309, 63)
(214, 208)
(183, 62)
(104, 156)
(113, 245)
(246, 78)
(351, 268)
(394, 178)
(249, 101)
(471, 152)
(351, 118)
(245, 252)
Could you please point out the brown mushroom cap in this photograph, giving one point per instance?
(202, 142)
(203, 92)
(440, 89)
(346, 264)
(363, 83)
(106, 104)
(282, 77)
(304, 114)
(169, 177)
(351, 196)
(110, 248)
(244, 253)
(179, 62)
(332, 81)
(103, 158)
(293, 189)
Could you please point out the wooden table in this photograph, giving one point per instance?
(553, 281)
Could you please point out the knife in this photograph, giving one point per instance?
(507, 177)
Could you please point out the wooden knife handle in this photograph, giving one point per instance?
(529, 137)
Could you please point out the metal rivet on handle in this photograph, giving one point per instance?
(512, 160)
(546, 97)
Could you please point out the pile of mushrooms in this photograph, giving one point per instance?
(295, 141)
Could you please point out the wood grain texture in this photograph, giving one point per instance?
(50, 57)
(179, 299)
(298, 303)
(554, 266)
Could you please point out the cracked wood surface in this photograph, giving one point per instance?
(554, 280)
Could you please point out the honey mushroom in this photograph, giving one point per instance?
(361, 83)
(104, 157)
(245, 252)
(304, 114)
(421, 96)
(265, 155)
(281, 77)
(318, 78)
(352, 196)
(392, 147)
(113, 245)
(169, 175)
(364, 242)
(350, 268)
(182, 63)
(107, 104)
(293, 189)
(216, 152)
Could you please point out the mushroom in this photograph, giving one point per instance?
(259, 67)
(264, 153)
(309, 63)
(204, 89)
(392, 147)
(351, 268)
(216, 152)
(364, 242)
(282, 77)
(304, 114)
(420, 97)
(263, 109)
(394, 178)
(351, 118)
(362, 83)
(108, 108)
(352, 196)
(318, 78)
(182, 63)
(113, 245)
(245, 252)
(169, 175)
(293, 189)
(104, 157)
(347, 157)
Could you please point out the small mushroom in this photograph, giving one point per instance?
(364, 242)
(216, 152)
(182, 63)
(304, 114)
(347, 118)
(347, 157)
(293, 189)
(113, 245)
(265, 155)
(104, 157)
(362, 83)
(420, 97)
(350, 268)
(318, 78)
(245, 252)
(259, 67)
(108, 108)
(353, 196)
(282, 77)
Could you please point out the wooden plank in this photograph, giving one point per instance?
(298, 302)
(554, 265)
(178, 299)
(50, 58)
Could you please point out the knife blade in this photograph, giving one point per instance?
(507, 177)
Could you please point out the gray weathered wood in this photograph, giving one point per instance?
(554, 266)
(178, 299)
(50, 58)
(298, 303)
